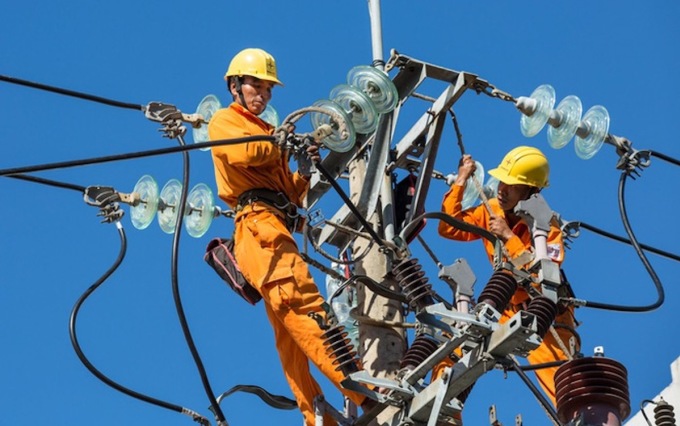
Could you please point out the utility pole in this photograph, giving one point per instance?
(381, 346)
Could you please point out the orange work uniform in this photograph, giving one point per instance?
(268, 254)
(549, 350)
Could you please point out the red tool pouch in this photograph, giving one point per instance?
(220, 256)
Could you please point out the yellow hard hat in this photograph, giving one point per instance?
(253, 62)
(524, 165)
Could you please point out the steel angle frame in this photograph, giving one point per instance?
(378, 155)
(372, 188)
(422, 140)
(335, 163)
(517, 336)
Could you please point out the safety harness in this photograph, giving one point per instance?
(275, 199)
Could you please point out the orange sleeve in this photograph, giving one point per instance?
(479, 216)
(301, 184)
(226, 125)
(247, 165)
(452, 205)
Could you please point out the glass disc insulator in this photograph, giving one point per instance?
(337, 141)
(569, 115)
(491, 188)
(544, 96)
(207, 107)
(471, 193)
(375, 84)
(168, 206)
(358, 106)
(200, 210)
(596, 123)
(143, 213)
(269, 115)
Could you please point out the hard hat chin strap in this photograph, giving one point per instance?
(237, 84)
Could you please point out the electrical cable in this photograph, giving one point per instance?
(664, 157)
(17, 173)
(627, 241)
(641, 255)
(72, 324)
(377, 288)
(277, 401)
(182, 148)
(83, 358)
(534, 367)
(72, 93)
(49, 182)
(642, 410)
(429, 251)
(373, 285)
(457, 223)
(547, 406)
(350, 205)
(128, 156)
(323, 268)
(176, 295)
(322, 252)
(459, 135)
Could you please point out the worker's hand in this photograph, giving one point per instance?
(466, 168)
(313, 152)
(307, 159)
(500, 228)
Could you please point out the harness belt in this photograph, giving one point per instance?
(272, 198)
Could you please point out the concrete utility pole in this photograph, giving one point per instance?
(371, 163)
(381, 347)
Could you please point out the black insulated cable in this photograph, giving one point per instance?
(533, 367)
(277, 401)
(377, 288)
(627, 241)
(638, 249)
(72, 93)
(547, 406)
(128, 156)
(350, 204)
(49, 182)
(176, 295)
(315, 245)
(86, 362)
(664, 157)
(457, 223)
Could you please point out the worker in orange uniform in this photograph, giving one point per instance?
(523, 172)
(254, 178)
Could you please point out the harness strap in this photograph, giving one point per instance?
(276, 199)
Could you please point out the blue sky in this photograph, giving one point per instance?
(622, 55)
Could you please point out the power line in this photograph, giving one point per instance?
(71, 93)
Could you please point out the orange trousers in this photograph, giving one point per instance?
(548, 351)
(269, 258)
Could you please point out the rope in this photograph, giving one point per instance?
(560, 343)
